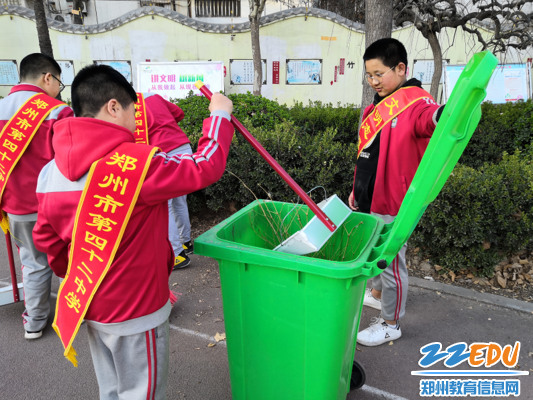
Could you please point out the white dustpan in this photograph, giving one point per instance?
(315, 234)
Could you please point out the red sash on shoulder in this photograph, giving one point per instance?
(18, 134)
(141, 123)
(108, 198)
(386, 110)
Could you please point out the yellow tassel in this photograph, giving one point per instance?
(71, 354)
(4, 223)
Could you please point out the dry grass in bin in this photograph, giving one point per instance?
(338, 247)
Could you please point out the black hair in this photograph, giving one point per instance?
(95, 85)
(34, 65)
(389, 51)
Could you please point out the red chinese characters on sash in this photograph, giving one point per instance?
(141, 122)
(108, 198)
(388, 109)
(18, 134)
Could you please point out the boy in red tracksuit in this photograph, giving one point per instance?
(394, 135)
(127, 319)
(163, 131)
(21, 115)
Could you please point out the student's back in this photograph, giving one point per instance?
(127, 315)
(19, 195)
(29, 104)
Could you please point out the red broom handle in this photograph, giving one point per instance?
(12, 269)
(274, 164)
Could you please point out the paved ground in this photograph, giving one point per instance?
(37, 370)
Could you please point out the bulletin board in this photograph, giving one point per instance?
(67, 72)
(423, 70)
(304, 72)
(509, 82)
(242, 72)
(9, 74)
(176, 79)
(124, 67)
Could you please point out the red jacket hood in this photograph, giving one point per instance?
(78, 142)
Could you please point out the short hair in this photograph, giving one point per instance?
(95, 85)
(34, 65)
(389, 51)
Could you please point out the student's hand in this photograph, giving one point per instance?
(351, 203)
(221, 102)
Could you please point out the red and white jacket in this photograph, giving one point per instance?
(402, 144)
(162, 118)
(136, 285)
(19, 194)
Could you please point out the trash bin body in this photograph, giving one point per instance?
(291, 321)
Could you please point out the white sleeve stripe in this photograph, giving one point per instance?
(219, 120)
(212, 152)
(210, 135)
(211, 128)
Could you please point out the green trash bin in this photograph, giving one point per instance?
(292, 321)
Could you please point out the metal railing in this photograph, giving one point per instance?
(217, 8)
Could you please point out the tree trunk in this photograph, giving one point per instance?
(378, 25)
(45, 44)
(256, 55)
(437, 59)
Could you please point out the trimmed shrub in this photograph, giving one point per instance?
(318, 116)
(479, 217)
(503, 128)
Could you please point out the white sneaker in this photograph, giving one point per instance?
(371, 301)
(33, 335)
(378, 332)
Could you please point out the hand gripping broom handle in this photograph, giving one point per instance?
(274, 164)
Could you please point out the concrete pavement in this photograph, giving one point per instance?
(37, 369)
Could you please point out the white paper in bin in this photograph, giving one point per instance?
(315, 234)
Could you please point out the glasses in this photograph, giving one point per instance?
(61, 86)
(378, 78)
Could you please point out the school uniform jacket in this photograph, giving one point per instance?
(19, 194)
(162, 118)
(136, 285)
(387, 166)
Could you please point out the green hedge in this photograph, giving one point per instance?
(318, 116)
(503, 128)
(480, 216)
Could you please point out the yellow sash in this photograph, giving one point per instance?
(141, 122)
(18, 134)
(386, 110)
(108, 198)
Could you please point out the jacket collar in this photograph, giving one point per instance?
(26, 87)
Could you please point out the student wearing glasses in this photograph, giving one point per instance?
(27, 118)
(394, 134)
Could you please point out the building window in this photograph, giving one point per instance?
(217, 8)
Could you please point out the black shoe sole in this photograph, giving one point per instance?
(182, 265)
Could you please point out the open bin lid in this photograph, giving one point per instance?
(453, 132)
